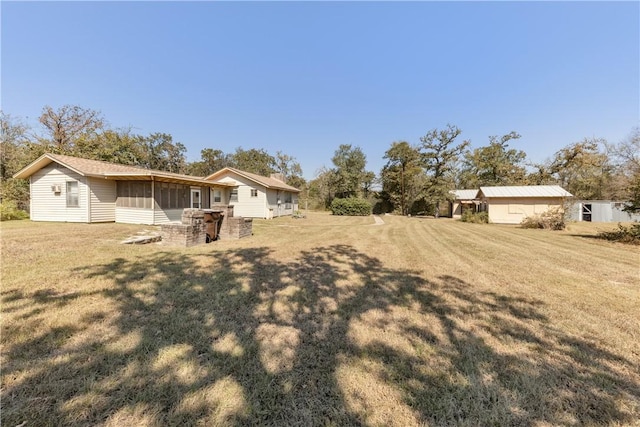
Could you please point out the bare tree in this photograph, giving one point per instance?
(69, 123)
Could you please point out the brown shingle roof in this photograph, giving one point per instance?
(98, 168)
(262, 180)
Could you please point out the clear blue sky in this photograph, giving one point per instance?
(305, 77)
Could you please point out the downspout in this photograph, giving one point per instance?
(88, 187)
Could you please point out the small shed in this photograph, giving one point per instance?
(599, 211)
(464, 200)
(511, 204)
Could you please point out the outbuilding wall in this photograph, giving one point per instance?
(601, 211)
(514, 210)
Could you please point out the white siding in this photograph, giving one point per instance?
(265, 205)
(49, 206)
(247, 206)
(281, 209)
(168, 215)
(103, 200)
(134, 215)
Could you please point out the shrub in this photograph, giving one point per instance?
(630, 235)
(9, 211)
(352, 207)
(552, 219)
(475, 217)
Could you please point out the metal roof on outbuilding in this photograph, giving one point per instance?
(525, 191)
(464, 194)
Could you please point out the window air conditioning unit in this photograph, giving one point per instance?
(56, 188)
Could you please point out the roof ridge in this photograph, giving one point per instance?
(106, 163)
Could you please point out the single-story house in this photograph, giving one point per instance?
(256, 196)
(511, 204)
(463, 200)
(71, 189)
(600, 211)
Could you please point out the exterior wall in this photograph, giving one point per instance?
(134, 215)
(224, 200)
(265, 205)
(457, 208)
(49, 206)
(247, 206)
(514, 210)
(103, 200)
(281, 208)
(163, 216)
(601, 211)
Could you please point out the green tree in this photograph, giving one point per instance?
(495, 164)
(16, 151)
(349, 177)
(320, 189)
(439, 156)
(540, 175)
(212, 160)
(627, 156)
(400, 176)
(158, 151)
(290, 169)
(110, 145)
(583, 170)
(254, 160)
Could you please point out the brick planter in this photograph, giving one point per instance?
(190, 233)
(193, 229)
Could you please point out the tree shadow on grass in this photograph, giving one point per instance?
(331, 338)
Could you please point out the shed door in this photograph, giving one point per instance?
(586, 212)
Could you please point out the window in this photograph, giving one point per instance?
(234, 195)
(217, 196)
(254, 192)
(73, 194)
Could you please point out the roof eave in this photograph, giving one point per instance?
(163, 177)
(40, 163)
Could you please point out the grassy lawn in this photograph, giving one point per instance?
(320, 321)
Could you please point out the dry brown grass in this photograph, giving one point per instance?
(321, 321)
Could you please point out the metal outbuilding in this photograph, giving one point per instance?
(599, 211)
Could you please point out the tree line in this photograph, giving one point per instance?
(417, 178)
